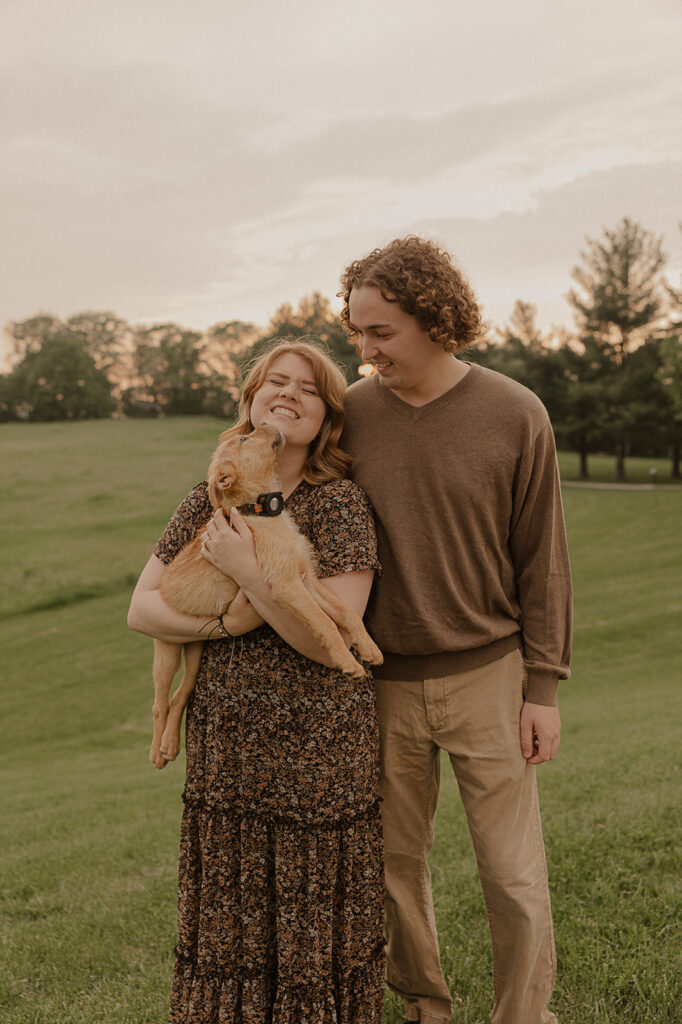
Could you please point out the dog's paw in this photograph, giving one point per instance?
(369, 652)
(157, 758)
(354, 672)
(170, 745)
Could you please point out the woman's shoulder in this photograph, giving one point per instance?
(343, 530)
(342, 491)
(196, 504)
(198, 496)
(194, 510)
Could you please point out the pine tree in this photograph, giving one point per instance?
(620, 301)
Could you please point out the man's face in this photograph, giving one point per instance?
(402, 352)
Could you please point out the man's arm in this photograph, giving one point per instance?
(540, 555)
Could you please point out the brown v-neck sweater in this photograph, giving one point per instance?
(470, 528)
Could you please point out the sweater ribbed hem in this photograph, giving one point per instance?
(412, 667)
(542, 688)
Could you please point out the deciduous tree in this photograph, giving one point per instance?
(169, 378)
(59, 381)
(314, 316)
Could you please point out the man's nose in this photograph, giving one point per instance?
(367, 348)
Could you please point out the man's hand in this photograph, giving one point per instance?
(540, 732)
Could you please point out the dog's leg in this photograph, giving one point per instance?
(294, 596)
(166, 664)
(348, 619)
(170, 741)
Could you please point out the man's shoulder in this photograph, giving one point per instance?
(361, 399)
(510, 397)
(361, 390)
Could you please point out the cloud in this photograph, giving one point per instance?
(208, 161)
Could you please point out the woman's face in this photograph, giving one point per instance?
(289, 399)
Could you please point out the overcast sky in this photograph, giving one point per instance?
(204, 161)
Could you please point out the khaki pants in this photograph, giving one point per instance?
(475, 717)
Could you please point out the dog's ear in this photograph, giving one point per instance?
(220, 480)
(225, 436)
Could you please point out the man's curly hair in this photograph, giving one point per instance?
(421, 277)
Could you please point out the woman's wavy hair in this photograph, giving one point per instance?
(421, 277)
(326, 461)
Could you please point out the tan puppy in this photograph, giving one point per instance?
(242, 468)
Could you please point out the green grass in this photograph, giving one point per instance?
(83, 503)
(90, 830)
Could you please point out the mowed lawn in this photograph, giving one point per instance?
(90, 829)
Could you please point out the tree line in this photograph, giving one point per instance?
(95, 364)
(613, 384)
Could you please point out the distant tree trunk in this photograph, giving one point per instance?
(675, 457)
(620, 460)
(584, 475)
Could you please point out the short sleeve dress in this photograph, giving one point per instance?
(280, 891)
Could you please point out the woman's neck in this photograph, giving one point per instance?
(290, 468)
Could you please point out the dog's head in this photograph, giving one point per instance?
(244, 466)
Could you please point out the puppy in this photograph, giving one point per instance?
(243, 473)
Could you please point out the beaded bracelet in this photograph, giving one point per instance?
(217, 631)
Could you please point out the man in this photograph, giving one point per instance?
(472, 614)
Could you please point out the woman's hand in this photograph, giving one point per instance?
(230, 547)
(241, 616)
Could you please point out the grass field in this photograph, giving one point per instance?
(90, 830)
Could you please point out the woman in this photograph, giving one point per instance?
(280, 878)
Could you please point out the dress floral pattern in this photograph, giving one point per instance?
(280, 891)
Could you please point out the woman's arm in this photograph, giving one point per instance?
(233, 551)
(149, 613)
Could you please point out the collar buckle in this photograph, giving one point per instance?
(269, 504)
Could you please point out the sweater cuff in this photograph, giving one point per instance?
(543, 688)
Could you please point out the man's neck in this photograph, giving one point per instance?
(443, 375)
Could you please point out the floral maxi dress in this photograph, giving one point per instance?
(280, 891)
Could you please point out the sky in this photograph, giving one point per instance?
(208, 161)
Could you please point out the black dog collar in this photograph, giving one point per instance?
(270, 504)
